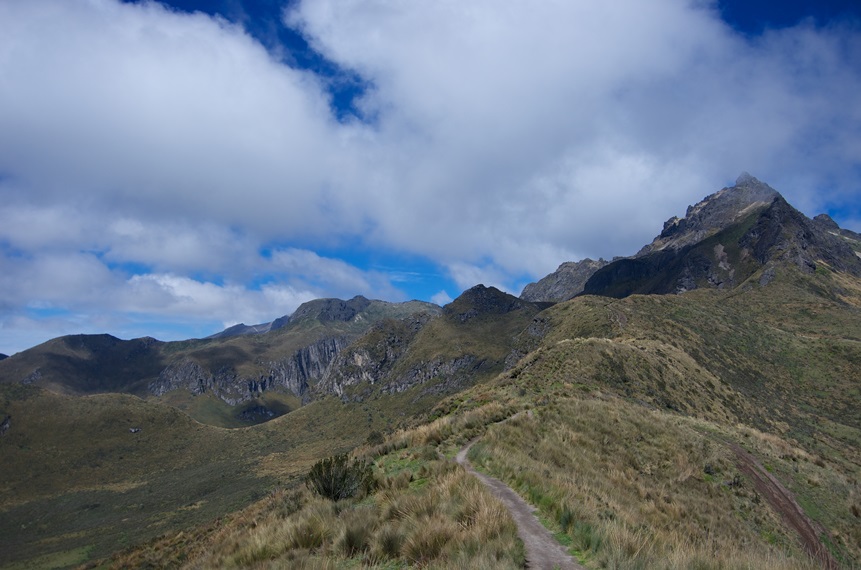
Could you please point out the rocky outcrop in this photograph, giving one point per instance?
(481, 301)
(371, 360)
(308, 365)
(783, 234)
(564, 283)
(765, 237)
(294, 374)
(5, 425)
(713, 214)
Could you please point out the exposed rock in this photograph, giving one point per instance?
(293, 374)
(434, 369)
(713, 214)
(783, 233)
(770, 235)
(371, 359)
(34, 376)
(480, 301)
(5, 425)
(564, 283)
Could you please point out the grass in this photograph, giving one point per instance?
(613, 425)
(626, 488)
(448, 521)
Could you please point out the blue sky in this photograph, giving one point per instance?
(170, 169)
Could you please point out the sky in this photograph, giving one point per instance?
(169, 169)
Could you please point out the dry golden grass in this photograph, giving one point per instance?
(633, 488)
(426, 511)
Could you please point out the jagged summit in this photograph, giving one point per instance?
(568, 280)
(720, 242)
(712, 214)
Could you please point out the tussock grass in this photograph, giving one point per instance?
(425, 511)
(632, 488)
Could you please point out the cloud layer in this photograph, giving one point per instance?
(157, 166)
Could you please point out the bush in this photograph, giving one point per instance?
(338, 477)
(375, 438)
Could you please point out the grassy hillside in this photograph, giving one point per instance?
(77, 483)
(625, 423)
(627, 426)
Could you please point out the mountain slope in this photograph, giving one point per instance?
(759, 236)
(568, 280)
(227, 381)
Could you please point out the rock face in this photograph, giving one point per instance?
(482, 301)
(294, 374)
(713, 214)
(473, 337)
(372, 359)
(738, 237)
(564, 283)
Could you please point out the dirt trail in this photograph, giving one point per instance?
(782, 501)
(542, 550)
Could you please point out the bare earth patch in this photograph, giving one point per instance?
(782, 501)
(542, 550)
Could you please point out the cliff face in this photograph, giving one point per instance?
(370, 361)
(567, 281)
(295, 374)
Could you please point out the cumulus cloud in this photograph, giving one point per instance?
(441, 298)
(148, 156)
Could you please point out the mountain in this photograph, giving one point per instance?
(695, 406)
(224, 380)
(719, 243)
(472, 340)
(2, 356)
(713, 214)
(760, 238)
(567, 281)
(326, 310)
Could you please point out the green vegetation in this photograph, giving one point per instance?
(616, 424)
(339, 477)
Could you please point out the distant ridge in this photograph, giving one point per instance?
(722, 240)
(326, 310)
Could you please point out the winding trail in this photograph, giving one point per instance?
(542, 550)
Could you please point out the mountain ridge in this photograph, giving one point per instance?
(679, 248)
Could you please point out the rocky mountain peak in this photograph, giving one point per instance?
(826, 222)
(481, 300)
(713, 214)
(567, 281)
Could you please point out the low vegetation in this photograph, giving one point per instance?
(616, 424)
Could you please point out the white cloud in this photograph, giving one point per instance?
(441, 298)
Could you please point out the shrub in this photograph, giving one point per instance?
(339, 477)
(375, 438)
